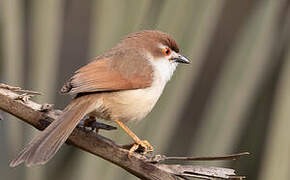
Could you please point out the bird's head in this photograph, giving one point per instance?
(161, 48)
(158, 44)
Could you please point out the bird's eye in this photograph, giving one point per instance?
(167, 51)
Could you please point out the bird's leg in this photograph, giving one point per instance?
(138, 142)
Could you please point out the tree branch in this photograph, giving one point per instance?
(40, 117)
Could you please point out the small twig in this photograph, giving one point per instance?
(28, 92)
(25, 94)
(159, 158)
(12, 88)
(203, 172)
(237, 177)
(19, 90)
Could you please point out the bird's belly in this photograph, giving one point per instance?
(131, 105)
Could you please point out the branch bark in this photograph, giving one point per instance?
(40, 117)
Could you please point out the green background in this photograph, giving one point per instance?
(234, 97)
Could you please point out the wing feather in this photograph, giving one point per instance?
(118, 72)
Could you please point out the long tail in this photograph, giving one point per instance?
(43, 147)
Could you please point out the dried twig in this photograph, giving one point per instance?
(19, 90)
(202, 172)
(160, 158)
(40, 117)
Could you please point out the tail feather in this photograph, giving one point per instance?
(42, 148)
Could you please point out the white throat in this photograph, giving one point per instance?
(163, 69)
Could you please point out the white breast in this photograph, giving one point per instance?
(134, 105)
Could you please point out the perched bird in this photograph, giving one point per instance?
(120, 85)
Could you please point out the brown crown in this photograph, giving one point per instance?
(150, 40)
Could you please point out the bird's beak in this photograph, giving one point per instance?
(181, 59)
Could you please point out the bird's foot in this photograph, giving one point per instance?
(142, 147)
(97, 125)
(91, 123)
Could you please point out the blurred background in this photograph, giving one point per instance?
(234, 97)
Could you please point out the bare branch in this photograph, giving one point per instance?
(160, 158)
(202, 172)
(19, 90)
(40, 117)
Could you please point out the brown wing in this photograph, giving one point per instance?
(113, 73)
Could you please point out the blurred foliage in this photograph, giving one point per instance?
(234, 96)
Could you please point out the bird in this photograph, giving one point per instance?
(121, 85)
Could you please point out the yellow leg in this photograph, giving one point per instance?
(138, 142)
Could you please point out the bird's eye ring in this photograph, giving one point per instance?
(167, 51)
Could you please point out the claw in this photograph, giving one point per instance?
(143, 146)
(98, 125)
(91, 123)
